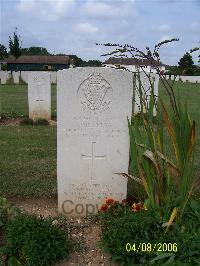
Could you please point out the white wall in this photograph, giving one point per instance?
(192, 79)
(133, 68)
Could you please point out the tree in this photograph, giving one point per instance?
(14, 45)
(94, 63)
(186, 61)
(78, 62)
(34, 50)
(3, 52)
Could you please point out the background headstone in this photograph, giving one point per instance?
(24, 76)
(4, 76)
(92, 137)
(39, 95)
(146, 90)
(177, 78)
(53, 77)
(16, 76)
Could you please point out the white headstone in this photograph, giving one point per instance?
(4, 76)
(177, 78)
(146, 90)
(92, 137)
(16, 76)
(39, 95)
(24, 76)
(53, 77)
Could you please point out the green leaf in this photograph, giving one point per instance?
(161, 256)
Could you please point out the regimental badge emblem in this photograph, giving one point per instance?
(95, 93)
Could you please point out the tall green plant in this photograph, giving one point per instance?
(167, 183)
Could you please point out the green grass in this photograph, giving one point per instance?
(14, 100)
(28, 154)
(189, 93)
(28, 161)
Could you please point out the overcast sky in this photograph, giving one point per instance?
(74, 26)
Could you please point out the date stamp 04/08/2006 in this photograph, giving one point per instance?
(149, 247)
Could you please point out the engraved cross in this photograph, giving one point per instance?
(92, 157)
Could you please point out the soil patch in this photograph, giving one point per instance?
(11, 122)
(16, 122)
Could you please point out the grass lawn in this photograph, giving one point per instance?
(28, 154)
(28, 161)
(190, 93)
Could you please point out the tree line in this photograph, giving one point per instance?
(185, 65)
(16, 50)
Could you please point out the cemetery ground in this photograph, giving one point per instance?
(28, 164)
(28, 153)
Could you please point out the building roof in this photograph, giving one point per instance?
(130, 61)
(39, 59)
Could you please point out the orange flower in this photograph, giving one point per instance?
(137, 207)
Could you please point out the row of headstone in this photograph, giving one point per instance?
(92, 132)
(16, 75)
(192, 79)
(39, 91)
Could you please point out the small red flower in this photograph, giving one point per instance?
(104, 207)
(109, 201)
